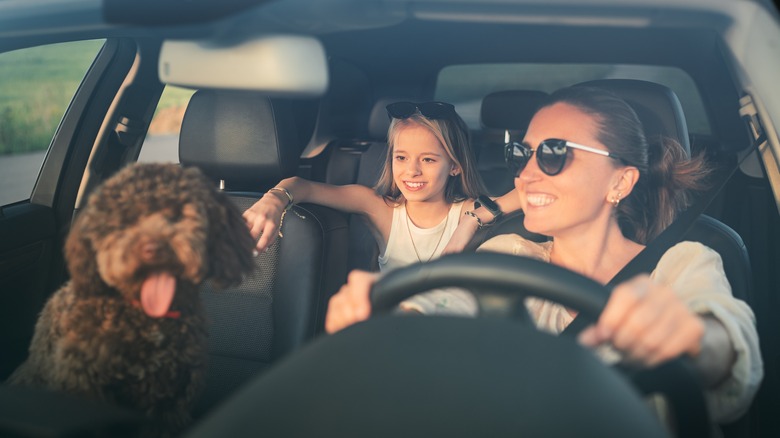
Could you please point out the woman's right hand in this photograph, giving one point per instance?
(263, 219)
(351, 303)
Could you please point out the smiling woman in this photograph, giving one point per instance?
(685, 307)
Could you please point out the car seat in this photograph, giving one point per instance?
(503, 113)
(247, 143)
(360, 162)
(661, 114)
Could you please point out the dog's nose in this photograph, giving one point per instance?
(149, 251)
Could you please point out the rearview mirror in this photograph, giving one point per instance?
(283, 65)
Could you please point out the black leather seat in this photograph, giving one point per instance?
(247, 143)
(661, 113)
(503, 113)
(360, 162)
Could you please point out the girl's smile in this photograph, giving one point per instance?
(421, 166)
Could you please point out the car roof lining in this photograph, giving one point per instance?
(448, 43)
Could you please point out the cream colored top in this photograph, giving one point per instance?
(695, 272)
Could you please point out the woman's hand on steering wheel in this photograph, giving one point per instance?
(648, 322)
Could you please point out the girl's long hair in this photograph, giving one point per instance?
(453, 135)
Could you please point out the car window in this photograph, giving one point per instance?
(466, 85)
(162, 139)
(36, 87)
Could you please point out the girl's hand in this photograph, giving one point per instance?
(263, 219)
(351, 303)
(647, 322)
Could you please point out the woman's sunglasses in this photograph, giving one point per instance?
(550, 154)
(431, 110)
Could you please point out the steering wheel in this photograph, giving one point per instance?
(501, 283)
(454, 376)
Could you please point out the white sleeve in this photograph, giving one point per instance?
(696, 273)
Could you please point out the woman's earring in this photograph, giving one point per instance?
(615, 200)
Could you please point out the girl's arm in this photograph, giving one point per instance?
(468, 225)
(264, 217)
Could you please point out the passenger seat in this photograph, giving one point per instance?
(247, 143)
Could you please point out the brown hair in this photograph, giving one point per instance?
(668, 178)
(453, 135)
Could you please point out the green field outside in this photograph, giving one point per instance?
(36, 86)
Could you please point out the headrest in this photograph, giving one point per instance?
(240, 137)
(511, 109)
(657, 106)
(379, 122)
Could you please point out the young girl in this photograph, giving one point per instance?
(426, 189)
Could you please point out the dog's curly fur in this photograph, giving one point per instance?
(94, 337)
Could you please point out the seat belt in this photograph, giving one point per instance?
(648, 258)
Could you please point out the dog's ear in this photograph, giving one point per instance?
(231, 246)
(81, 258)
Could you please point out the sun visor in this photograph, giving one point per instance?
(279, 65)
(172, 13)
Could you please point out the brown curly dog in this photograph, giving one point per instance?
(128, 327)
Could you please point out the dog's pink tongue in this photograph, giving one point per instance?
(157, 294)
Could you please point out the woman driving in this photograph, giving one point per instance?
(586, 175)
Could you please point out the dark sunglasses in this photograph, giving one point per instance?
(431, 110)
(550, 154)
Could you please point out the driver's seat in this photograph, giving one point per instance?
(661, 114)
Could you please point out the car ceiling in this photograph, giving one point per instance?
(386, 39)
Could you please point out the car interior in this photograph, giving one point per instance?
(236, 324)
(307, 97)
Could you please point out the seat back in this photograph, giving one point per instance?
(247, 143)
(360, 162)
(503, 112)
(656, 105)
(661, 114)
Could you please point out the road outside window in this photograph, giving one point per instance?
(36, 87)
(162, 140)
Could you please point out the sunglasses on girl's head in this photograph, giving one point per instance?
(431, 110)
(550, 155)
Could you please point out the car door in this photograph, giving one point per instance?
(54, 98)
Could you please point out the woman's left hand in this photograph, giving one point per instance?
(648, 322)
(462, 236)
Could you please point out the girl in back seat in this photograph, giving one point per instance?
(428, 186)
